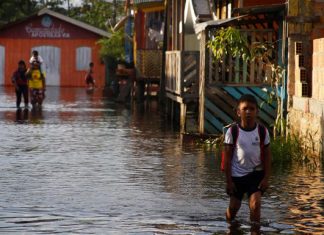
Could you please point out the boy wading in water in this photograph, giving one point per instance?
(247, 161)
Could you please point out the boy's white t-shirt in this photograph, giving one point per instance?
(247, 152)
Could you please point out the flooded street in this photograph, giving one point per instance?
(86, 165)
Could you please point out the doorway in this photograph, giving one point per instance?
(51, 65)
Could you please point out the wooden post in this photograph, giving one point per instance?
(237, 69)
(252, 63)
(210, 73)
(202, 82)
(245, 65)
(172, 111)
(183, 117)
(164, 49)
(230, 68)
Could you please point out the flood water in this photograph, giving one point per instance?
(87, 165)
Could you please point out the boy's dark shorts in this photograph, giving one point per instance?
(247, 184)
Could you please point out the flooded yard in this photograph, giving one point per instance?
(87, 165)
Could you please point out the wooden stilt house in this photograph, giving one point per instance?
(148, 42)
(219, 84)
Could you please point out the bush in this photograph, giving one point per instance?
(113, 47)
(293, 149)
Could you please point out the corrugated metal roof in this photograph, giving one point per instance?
(214, 23)
(202, 8)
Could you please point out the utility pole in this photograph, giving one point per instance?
(114, 16)
(68, 5)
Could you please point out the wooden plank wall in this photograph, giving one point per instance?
(182, 73)
(220, 104)
(173, 72)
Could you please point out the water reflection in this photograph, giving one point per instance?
(84, 164)
(22, 116)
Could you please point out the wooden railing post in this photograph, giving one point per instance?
(202, 75)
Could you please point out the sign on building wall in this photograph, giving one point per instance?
(46, 27)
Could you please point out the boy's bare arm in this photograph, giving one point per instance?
(228, 169)
(267, 168)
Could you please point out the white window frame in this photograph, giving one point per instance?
(83, 58)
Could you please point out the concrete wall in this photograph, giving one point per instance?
(306, 120)
(318, 69)
(305, 114)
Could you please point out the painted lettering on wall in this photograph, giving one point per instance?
(47, 29)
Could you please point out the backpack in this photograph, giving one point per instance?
(235, 132)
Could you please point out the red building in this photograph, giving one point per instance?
(66, 45)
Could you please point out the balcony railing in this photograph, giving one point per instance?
(149, 64)
(182, 73)
(235, 71)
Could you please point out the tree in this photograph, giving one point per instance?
(113, 47)
(230, 41)
(12, 10)
(99, 13)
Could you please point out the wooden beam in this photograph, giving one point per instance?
(174, 97)
(183, 112)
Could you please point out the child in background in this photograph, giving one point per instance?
(246, 170)
(36, 83)
(36, 58)
(19, 79)
(89, 78)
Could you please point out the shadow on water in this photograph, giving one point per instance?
(85, 164)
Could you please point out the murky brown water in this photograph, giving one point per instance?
(86, 165)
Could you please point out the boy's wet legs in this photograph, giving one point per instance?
(233, 208)
(255, 207)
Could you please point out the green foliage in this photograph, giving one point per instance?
(229, 41)
(113, 47)
(99, 13)
(294, 150)
(12, 10)
(103, 14)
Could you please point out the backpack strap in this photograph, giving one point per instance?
(262, 135)
(234, 132)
